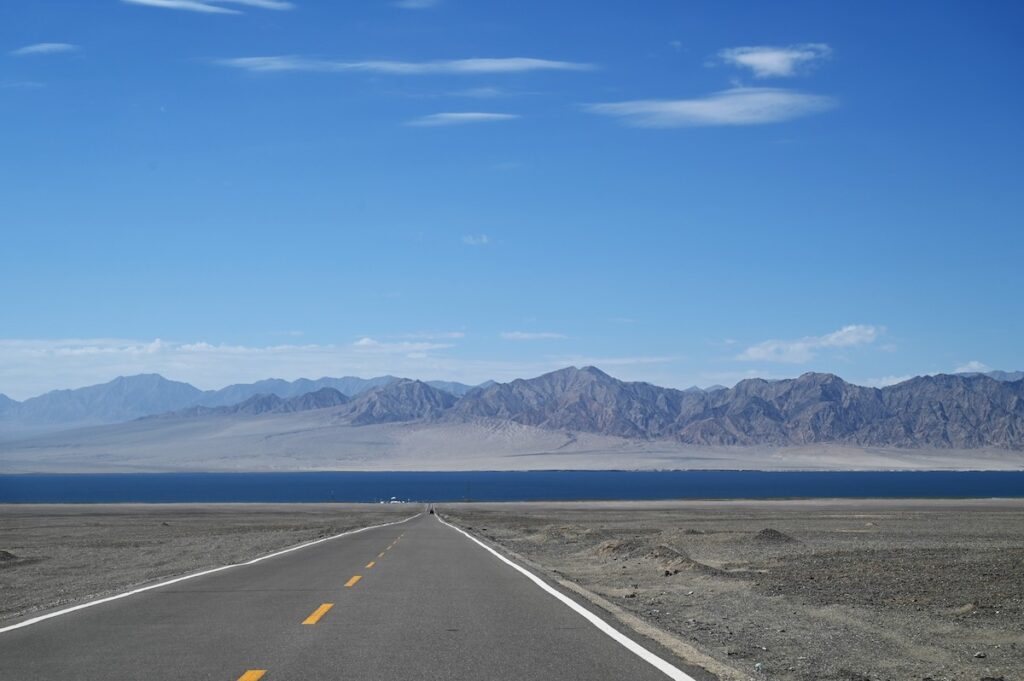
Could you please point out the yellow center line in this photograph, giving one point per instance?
(380, 555)
(352, 582)
(315, 617)
(371, 564)
(252, 675)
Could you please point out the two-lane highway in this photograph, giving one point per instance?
(412, 600)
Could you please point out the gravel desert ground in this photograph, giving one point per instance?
(808, 590)
(57, 555)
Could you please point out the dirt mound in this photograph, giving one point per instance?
(6, 556)
(772, 536)
(665, 557)
(622, 548)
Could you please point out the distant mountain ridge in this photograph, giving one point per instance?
(130, 397)
(404, 400)
(122, 399)
(963, 411)
(347, 385)
(257, 405)
(1006, 376)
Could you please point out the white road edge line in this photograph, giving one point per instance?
(82, 606)
(660, 664)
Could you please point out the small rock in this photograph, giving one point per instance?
(980, 655)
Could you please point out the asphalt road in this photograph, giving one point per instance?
(416, 600)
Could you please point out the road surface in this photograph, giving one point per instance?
(414, 600)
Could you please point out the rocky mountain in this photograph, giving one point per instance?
(933, 411)
(349, 386)
(454, 387)
(403, 400)
(1000, 375)
(257, 405)
(131, 397)
(577, 399)
(947, 411)
(123, 399)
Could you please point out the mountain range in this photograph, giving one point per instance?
(963, 411)
(131, 397)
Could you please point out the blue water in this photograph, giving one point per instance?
(499, 486)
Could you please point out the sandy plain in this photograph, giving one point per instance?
(311, 441)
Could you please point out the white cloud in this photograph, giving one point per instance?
(29, 367)
(972, 367)
(476, 240)
(212, 6)
(737, 106)
(776, 62)
(531, 335)
(883, 381)
(401, 347)
(276, 64)
(804, 349)
(44, 48)
(461, 118)
(417, 4)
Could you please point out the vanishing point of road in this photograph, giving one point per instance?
(415, 600)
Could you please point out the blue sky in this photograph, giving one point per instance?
(684, 193)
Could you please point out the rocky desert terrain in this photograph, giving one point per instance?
(795, 590)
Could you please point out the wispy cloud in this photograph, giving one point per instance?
(972, 367)
(776, 62)
(476, 239)
(277, 64)
(460, 118)
(402, 347)
(737, 106)
(531, 335)
(29, 367)
(883, 381)
(212, 6)
(417, 4)
(43, 48)
(804, 349)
